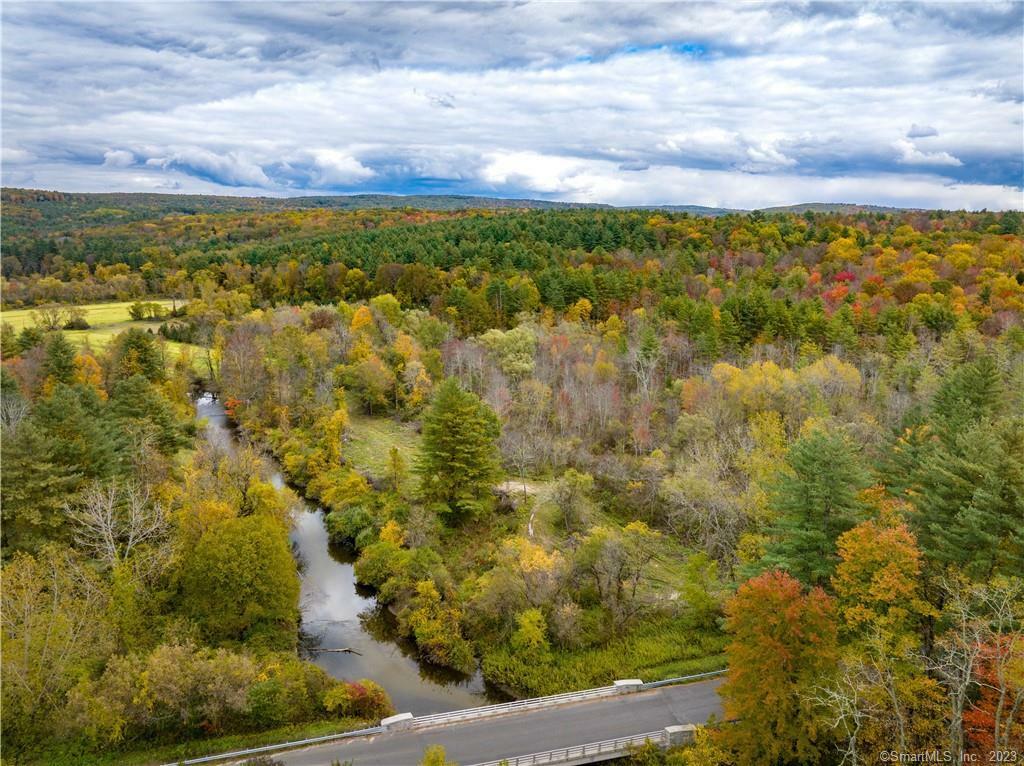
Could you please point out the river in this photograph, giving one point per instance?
(337, 613)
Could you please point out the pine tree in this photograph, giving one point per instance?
(816, 501)
(137, 403)
(36, 484)
(59, 362)
(458, 463)
(968, 394)
(971, 501)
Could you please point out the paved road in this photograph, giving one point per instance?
(528, 732)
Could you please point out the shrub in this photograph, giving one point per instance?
(359, 699)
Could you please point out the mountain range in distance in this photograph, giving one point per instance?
(110, 206)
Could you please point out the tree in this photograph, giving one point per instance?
(54, 629)
(815, 501)
(397, 473)
(877, 582)
(434, 624)
(114, 521)
(36, 484)
(571, 495)
(140, 407)
(971, 392)
(702, 590)
(59, 362)
(359, 699)
(514, 350)
(530, 640)
(970, 500)
(616, 561)
(135, 352)
(458, 462)
(372, 381)
(239, 583)
(782, 643)
(982, 648)
(435, 755)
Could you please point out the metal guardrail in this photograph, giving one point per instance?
(564, 754)
(682, 679)
(278, 746)
(512, 707)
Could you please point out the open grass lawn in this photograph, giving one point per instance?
(99, 315)
(108, 320)
(370, 439)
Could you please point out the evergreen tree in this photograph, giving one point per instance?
(59, 361)
(36, 484)
(136, 353)
(968, 394)
(971, 501)
(79, 438)
(137, 403)
(458, 463)
(816, 501)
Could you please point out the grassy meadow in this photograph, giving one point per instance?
(107, 321)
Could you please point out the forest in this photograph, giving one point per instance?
(633, 443)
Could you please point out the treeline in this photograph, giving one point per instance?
(149, 591)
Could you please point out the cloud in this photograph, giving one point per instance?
(921, 131)
(118, 158)
(229, 169)
(334, 168)
(14, 156)
(909, 154)
(559, 100)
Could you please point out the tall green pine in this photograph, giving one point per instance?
(459, 462)
(816, 501)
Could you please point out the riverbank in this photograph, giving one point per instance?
(338, 613)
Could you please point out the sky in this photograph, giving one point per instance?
(740, 105)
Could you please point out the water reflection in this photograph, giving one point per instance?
(338, 614)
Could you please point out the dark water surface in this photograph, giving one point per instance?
(337, 613)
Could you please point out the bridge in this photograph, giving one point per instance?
(575, 728)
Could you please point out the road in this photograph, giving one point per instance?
(528, 732)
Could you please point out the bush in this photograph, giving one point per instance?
(359, 699)
(346, 526)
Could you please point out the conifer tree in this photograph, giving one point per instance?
(971, 501)
(816, 501)
(59, 362)
(458, 463)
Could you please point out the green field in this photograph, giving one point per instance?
(370, 439)
(99, 315)
(107, 321)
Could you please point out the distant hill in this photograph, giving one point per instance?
(835, 207)
(53, 211)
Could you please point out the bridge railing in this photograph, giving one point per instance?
(608, 747)
(485, 711)
(279, 746)
(682, 679)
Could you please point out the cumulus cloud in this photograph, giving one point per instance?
(229, 169)
(118, 158)
(567, 101)
(335, 168)
(909, 154)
